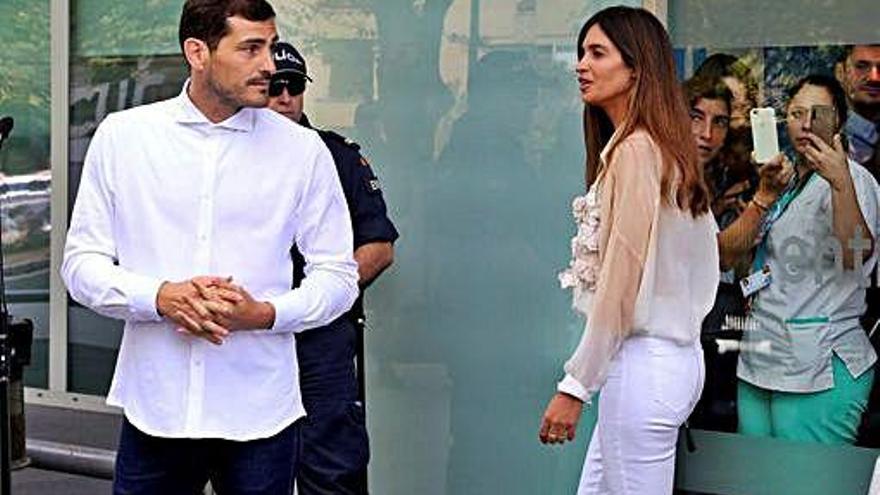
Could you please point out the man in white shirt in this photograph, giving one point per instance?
(182, 227)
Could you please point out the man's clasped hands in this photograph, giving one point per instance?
(211, 307)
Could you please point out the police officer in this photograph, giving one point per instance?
(335, 448)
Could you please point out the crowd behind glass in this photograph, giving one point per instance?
(794, 360)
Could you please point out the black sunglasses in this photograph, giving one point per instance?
(295, 86)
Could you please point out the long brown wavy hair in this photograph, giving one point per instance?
(656, 105)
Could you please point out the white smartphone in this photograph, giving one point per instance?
(765, 140)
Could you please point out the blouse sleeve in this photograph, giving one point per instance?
(634, 187)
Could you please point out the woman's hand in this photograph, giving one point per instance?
(560, 419)
(774, 177)
(731, 199)
(828, 161)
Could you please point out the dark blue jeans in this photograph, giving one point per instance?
(147, 465)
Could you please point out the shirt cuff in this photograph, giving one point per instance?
(569, 385)
(143, 292)
(287, 307)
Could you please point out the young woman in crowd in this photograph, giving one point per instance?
(710, 103)
(733, 177)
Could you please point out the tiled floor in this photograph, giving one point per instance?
(31, 481)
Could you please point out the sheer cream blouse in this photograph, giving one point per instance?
(655, 271)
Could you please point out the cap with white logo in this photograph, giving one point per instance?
(288, 60)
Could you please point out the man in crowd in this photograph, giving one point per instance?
(182, 228)
(859, 73)
(335, 449)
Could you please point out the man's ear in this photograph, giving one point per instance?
(840, 72)
(197, 53)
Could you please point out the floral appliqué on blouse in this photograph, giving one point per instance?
(582, 273)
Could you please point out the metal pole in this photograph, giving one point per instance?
(5, 441)
(73, 459)
(5, 371)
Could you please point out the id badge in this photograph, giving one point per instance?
(756, 281)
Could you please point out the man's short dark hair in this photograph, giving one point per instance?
(206, 19)
(707, 88)
(848, 49)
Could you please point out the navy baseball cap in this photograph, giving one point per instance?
(288, 60)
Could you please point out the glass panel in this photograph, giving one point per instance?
(118, 60)
(24, 170)
(473, 125)
(123, 28)
(469, 114)
(800, 366)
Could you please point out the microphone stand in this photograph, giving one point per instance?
(16, 338)
(5, 440)
(5, 357)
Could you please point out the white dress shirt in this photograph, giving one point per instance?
(167, 195)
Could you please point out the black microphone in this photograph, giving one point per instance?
(6, 125)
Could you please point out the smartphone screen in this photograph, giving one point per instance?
(822, 122)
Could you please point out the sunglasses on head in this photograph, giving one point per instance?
(295, 86)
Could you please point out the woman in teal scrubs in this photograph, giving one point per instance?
(817, 242)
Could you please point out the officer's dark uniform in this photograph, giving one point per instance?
(335, 449)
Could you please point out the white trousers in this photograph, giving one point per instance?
(653, 385)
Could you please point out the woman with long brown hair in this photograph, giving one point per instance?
(645, 260)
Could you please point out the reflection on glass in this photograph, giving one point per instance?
(25, 180)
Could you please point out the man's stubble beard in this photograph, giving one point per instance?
(867, 109)
(230, 99)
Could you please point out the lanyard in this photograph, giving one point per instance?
(776, 211)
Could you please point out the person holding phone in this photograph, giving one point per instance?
(645, 265)
(818, 245)
(735, 204)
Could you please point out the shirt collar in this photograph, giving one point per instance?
(188, 113)
(603, 155)
(856, 125)
(863, 137)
